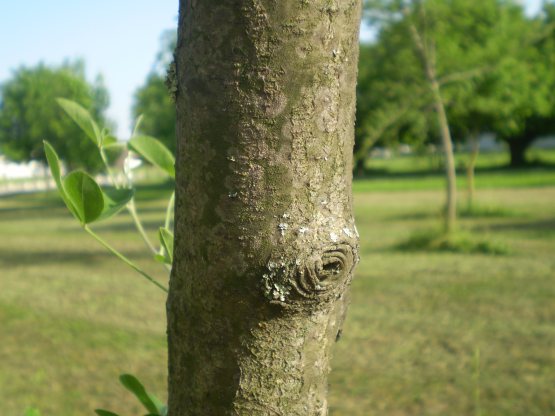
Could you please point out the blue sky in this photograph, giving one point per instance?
(117, 38)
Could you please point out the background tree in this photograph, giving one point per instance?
(507, 87)
(476, 59)
(153, 100)
(29, 113)
(497, 65)
(265, 239)
(533, 81)
(391, 108)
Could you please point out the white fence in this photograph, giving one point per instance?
(44, 182)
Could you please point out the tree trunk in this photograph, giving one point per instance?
(359, 168)
(265, 241)
(427, 56)
(450, 171)
(474, 149)
(517, 148)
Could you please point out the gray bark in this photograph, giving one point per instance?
(265, 237)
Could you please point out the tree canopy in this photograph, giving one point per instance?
(30, 114)
(153, 101)
(492, 71)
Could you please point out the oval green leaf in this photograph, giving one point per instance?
(108, 140)
(102, 412)
(166, 240)
(161, 259)
(162, 408)
(54, 163)
(131, 383)
(114, 201)
(83, 119)
(85, 196)
(155, 152)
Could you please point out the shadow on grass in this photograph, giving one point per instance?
(540, 226)
(477, 211)
(382, 173)
(487, 211)
(128, 226)
(415, 216)
(455, 242)
(154, 192)
(82, 257)
(25, 212)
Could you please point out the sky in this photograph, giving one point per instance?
(117, 38)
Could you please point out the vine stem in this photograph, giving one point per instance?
(167, 222)
(123, 258)
(108, 169)
(169, 210)
(130, 206)
(133, 212)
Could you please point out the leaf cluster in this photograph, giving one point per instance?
(89, 203)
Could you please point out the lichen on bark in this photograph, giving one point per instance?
(265, 237)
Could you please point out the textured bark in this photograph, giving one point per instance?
(265, 236)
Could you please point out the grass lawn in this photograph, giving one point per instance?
(421, 172)
(427, 333)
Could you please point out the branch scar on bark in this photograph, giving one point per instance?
(316, 278)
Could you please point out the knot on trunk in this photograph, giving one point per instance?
(314, 278)
(322, 272)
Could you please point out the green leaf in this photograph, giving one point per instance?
(166, 240)
(54, 163)
(101, 412)
(83, 119)
(159, 405)
(131, 383)
(114, 201)
(32, 412)
(82, 195)
(154, 152)
(108, 140)
(160, 259)
(85, 195)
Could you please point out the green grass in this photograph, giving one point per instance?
(455, 242)
(73, 318)
(426, 173)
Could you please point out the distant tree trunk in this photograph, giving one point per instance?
(517, 148)
(265, 241)
(450, 171)
(359, 167)
(427, 56)
(474, 150)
